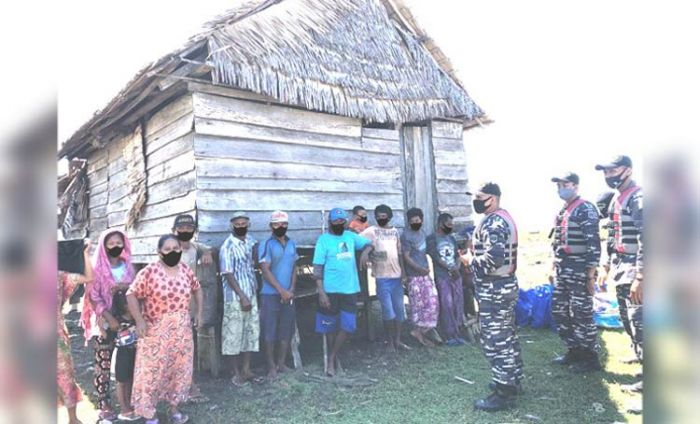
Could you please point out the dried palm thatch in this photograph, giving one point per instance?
(73, 199)
(366, 59)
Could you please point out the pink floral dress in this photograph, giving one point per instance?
(163, 368)
(68, 391)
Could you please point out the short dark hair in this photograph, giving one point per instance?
(443, 217)
(357, 208)
(166, 237)
(414, 212)
(384, 209)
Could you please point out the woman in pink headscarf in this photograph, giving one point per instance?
(113, 272)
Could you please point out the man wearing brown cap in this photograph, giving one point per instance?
(493, 262)
(576, 246)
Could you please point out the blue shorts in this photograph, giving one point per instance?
(277, 320)
(390, 294)
(343, 311)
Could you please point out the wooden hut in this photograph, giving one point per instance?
(299, 105)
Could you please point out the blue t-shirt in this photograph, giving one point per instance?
(337, 255)
(281, 260)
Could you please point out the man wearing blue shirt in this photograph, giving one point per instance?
(278, 256)
(335, 271)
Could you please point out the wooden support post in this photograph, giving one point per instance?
(295, 349)
(325, 354)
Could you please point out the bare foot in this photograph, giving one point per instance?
(248, 375)
(403, 346)
(330, 369)
(390, 348)
(239, 381)
(272, 374)
(283, 368)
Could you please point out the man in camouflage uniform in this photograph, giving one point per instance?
(626, 264)
(576, 246)
(493, 262)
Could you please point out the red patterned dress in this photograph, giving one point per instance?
(68, 391)
(163, 368)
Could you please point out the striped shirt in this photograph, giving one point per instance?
(236, 258)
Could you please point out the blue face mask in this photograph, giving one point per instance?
(566, 193)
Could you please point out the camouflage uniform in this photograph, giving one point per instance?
(576, 248)
(627, 259)
(496, 291)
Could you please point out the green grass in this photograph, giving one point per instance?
(419, 386)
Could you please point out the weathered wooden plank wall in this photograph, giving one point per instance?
(170, 166)
(259, 157)
(451, 170)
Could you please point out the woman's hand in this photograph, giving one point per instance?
(198, 321)
(141, 328)
(113, 324)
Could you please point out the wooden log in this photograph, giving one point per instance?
(451, 172)
(380, 133)
(175, 167)
(234, 183)
(219, 147)
(228, 109)
(170, 132)
(294, 346)
(239, 168)
(237, 130)
(452, 186)
(169, 114)
(259, 200)
(446, 129)
(451, 145)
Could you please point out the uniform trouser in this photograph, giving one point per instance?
(631, 316)
(497, 300)
(572, 309)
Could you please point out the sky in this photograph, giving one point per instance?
(568, 84)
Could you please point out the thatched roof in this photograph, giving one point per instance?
(366, 59)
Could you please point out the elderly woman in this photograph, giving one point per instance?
(163, 369)
(113, 272)
(67, 389)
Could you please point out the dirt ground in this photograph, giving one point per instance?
(416, 386)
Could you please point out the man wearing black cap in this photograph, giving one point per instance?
(626, 265)
(576, 246)
(193, 252)
(493, 262)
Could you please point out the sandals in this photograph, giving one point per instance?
(179, 418)
(107, 415)
(131, 416)
(238, 383)
(198, 398)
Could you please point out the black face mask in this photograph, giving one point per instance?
(616, 181)
(337, 229)
(240, 231)
(185, 236)
(382, 222)
(115, 251)
(416, 227)
(446, 230)
(171, 258)
(362, 219)
(479, 205)
(279, 231)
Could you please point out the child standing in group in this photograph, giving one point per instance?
(126, 356)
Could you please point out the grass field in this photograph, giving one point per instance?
(420, 386)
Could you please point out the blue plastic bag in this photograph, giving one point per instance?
(534, 307)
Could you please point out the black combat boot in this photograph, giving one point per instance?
(589, 362)
(502, 398)
(518, 388)
(572, 356)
